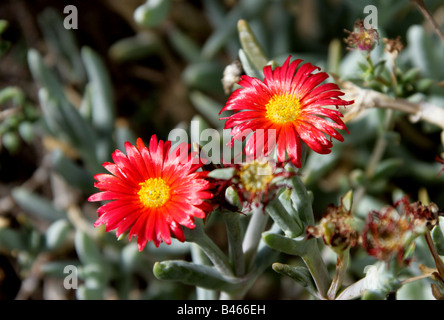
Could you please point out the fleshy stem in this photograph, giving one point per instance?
(248, 248)
(214, 253)
(313, 260)
(341, 269)
(234, 235)
(439, 263)
(253, 234)
(199, 257)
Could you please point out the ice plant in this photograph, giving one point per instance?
(154, 192)
(291, 105)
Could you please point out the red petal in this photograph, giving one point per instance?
(281, 145)
(294, 149)
(314, 138)
(136, 159)
(301, 76)
(177, 231)
(325, 126)
(311, 82)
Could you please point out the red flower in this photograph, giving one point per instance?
(291, 102)
(154, 192)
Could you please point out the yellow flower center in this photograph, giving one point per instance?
(154, 192)
(283, 108)
(255, 176)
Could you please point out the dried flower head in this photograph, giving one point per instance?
(336, 228)
(388, 233)
(393, 46)
(253, 182)
(423, 215)
(361, 38)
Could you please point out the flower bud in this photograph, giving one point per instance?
(361, 38)
(393, 46)
(336, 227)
(389, 233)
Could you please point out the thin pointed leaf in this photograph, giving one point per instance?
(298, 273)
(36, 205)
(103, 111)
(62, 42)
(438, 236)
(57, 234)
(207, 107)
(302, 201)
(44, 76)
(11, 239)
(194, 274)
(226, 27)
(74, 174)
(87, 250)
(284, 244)
(283, 218)
(248, 66)
(152, 12)
(251, 46)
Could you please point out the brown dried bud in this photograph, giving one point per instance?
(427, 214)
(361, 38)
(387, 234)
(335, 228)
(393, 46)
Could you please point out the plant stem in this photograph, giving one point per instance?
(381, 144)
(217, 257)
(377, 153)
(253, 234)
(199, 257)
(439, 263)
(426, 13)
(341, 268)
(317, 268)
(412, 279)
(234, 235)
(367, 98)
(213, 252)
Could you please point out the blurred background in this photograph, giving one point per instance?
(69, 97)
